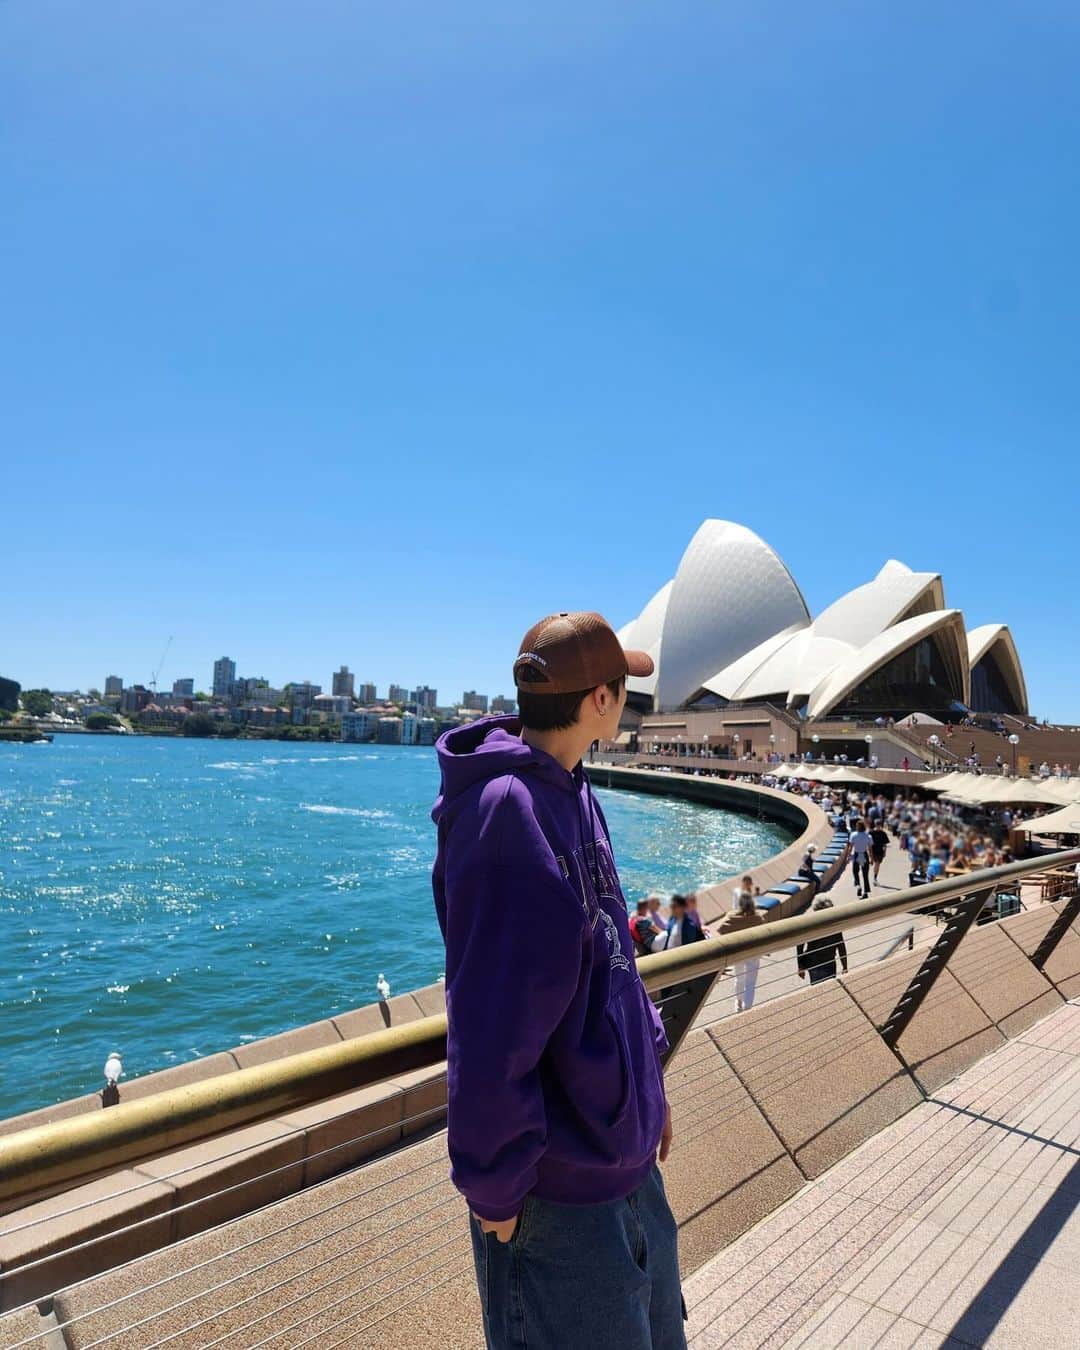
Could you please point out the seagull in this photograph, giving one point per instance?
(113, 1067)
(383, 986)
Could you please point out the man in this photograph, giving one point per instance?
(818, 956)
(556, 1092)
(860, 845)
(684, 926)
(879, 842)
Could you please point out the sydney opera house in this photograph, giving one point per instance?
(731, 630)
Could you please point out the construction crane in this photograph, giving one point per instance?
(157, 669)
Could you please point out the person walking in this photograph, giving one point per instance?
(879, 842)
(817, 958)
(746, 972)
(860, 845)
(556, 1107)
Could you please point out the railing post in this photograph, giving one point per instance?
(936, 961)
(1056, 931)
(679, 1004)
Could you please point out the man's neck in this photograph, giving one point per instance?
(565, 748)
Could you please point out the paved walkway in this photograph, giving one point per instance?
(958, 1226)
(779, 975)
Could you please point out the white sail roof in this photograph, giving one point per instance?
(948, 623)
(995, 640)
(730, 593)
(733, 622)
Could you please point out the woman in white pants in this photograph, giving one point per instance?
(746, 972)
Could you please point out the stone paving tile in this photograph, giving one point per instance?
(1018, 1211)
(1061, 1032)
(982, 1293)
(845, 1323)
(957, 1221)
(900, 1175)
(775, 1277)
(1006, 1084)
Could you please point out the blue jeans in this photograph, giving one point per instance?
(581, 1277)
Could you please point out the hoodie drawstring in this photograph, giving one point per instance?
(593, 861)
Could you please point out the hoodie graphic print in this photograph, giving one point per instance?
(553, 1053)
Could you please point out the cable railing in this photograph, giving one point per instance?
(63, 1151)
(265, 1287)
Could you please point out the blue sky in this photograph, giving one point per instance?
(370, 333)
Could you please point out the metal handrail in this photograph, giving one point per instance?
(65, 1150)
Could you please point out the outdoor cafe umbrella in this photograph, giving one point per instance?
(1065, 821)
(840, 773)
(1019, 790)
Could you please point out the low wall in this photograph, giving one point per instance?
(752, 1127)
(799, 814)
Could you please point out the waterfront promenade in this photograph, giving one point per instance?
(769, 1108)
(957, 1226)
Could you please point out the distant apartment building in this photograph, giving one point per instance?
(343, 683)
(427, 730)
(302, 693)
(409, 728)
(398, 694)
(114, 686)
(224, 676)
(474, 702)
(183, 688)
(331, 705)
(265, 716)
(425, 697)
(257, 691)
(367, 694)
(359, 726)
(389, 731)
(501, 704)
(135, 699)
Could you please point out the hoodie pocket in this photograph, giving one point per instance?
(626, 1080)
(639, 1114)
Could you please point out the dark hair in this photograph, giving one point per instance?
(554, 712)
(678, 899)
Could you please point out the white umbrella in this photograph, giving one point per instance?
(1065, 821)
(992, 791)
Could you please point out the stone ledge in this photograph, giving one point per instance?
(948, 1034)
(111, 1203)
(819, 1072)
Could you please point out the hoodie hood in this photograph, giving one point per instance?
(488, 748)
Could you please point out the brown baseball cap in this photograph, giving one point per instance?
(568, 652)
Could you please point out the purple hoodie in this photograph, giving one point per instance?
(555, 1082)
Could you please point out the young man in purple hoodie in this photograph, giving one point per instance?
(556, 1090)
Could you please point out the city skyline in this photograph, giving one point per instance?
(322, 336)
(115, 683)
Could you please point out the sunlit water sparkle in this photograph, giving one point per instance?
(171, 898)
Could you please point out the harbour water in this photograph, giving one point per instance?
(172, 898)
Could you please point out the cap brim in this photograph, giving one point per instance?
(639, 663)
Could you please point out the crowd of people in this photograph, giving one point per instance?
(930, 832)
